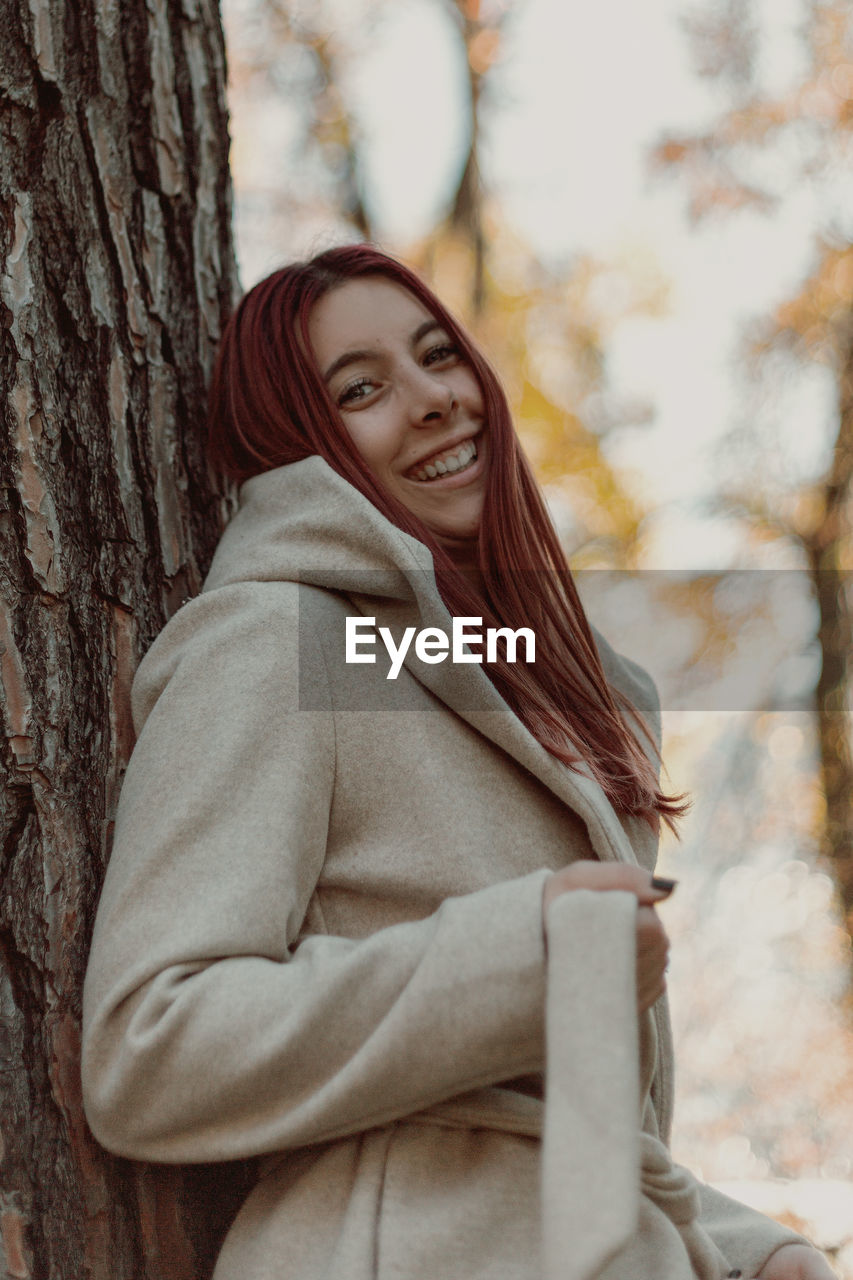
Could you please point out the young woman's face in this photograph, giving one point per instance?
(412, 406)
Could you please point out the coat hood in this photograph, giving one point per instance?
(305, 523)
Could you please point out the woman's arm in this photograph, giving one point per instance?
(208, 1032)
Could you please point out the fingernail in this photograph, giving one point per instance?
(662, 885)
(734, 1275)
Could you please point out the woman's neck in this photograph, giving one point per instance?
(464, 552)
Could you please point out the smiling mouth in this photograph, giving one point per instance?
(448, 463)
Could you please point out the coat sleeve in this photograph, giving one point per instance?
(211, 1031)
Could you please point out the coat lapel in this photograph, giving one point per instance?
(467, 691)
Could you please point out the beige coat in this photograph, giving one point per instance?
(320, 941)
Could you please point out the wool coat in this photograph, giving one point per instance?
(320, 941)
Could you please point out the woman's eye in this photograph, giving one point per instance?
(356, 390)
(442, 351)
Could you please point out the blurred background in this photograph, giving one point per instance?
(644, 213)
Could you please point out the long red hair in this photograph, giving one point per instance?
(270, 406)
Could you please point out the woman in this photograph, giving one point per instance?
(348, 917)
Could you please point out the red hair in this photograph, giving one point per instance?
(270, 406)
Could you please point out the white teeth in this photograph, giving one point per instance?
(453, 462)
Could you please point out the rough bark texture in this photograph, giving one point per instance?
(117, 273)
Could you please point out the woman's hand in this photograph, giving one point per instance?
(652, 942)
(796, 1262)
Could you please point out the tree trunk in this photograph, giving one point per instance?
(118, 271)
(825, 548)
(466, 213)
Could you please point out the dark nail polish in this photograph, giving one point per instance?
(663, 885)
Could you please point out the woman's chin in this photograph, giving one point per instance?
(458, 522)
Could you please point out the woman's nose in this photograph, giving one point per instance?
(431, 399)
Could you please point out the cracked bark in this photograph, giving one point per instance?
(117, 272)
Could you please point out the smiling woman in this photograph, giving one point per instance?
(333, 357)
(404, 948)
(411, 403)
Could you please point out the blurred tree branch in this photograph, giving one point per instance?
(480, 25)
(303, 55)
(808, 128)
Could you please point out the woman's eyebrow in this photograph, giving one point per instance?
(349, 357)
(353, 357)
(425, 328)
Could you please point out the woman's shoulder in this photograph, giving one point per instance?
(251, 630)
(237, 610)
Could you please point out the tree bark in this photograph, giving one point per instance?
(118, 271)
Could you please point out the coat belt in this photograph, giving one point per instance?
(597, 1162)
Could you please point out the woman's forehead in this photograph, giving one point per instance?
(370, 311)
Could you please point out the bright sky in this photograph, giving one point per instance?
(581, 95)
